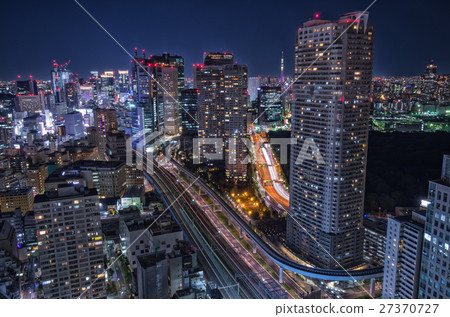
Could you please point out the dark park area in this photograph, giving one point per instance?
(399, 166)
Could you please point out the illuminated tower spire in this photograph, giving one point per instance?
(282, 67)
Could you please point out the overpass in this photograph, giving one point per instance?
(282, 261)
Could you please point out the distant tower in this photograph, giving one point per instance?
(429, 81)
(282, 67)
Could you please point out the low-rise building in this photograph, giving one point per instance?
(36, 176)
(374, 240)
(12, 199)
(133, 196)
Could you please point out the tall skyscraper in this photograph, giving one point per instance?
(253, 84)
(435, 268)
(105, 120)
(429, 81)
(270, 105)
(222, 109)
(189, 112)
(145, 121)
(26, 87)
(124, 81)
(168, 97)
(107, 83)
(147, 116)
(60, 75)
(402, 256)
(330, 112)
(152, 274)
(70, 243)
(176, 61)
(156, 84)
(72, 96)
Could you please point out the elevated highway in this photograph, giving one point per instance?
(282, 261)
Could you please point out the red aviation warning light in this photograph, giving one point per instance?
(316, 15)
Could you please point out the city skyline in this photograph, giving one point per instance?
(248, 39)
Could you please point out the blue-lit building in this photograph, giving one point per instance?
(74, 125)
(60, 75)
(270, 105)
(189, 108)
(144, 122)
(434, 278)
(156, 80)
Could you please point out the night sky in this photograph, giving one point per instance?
(408, 33)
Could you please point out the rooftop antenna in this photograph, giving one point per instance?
(282, 67)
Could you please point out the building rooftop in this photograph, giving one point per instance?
(157, 224)
(133, 191)
(401, 219)
(85, 164)
(374, 224)
(60, 176)
(131, 211)
(149, 260)
(357, 17)
(16, 191)
(65, 190)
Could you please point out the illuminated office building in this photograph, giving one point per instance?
(222, 109)
(72, 96)
(435, 266)
(105, 120)
(270, 105)
(69, 236)
(60, 75)
(157, 83)
(189, 112)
